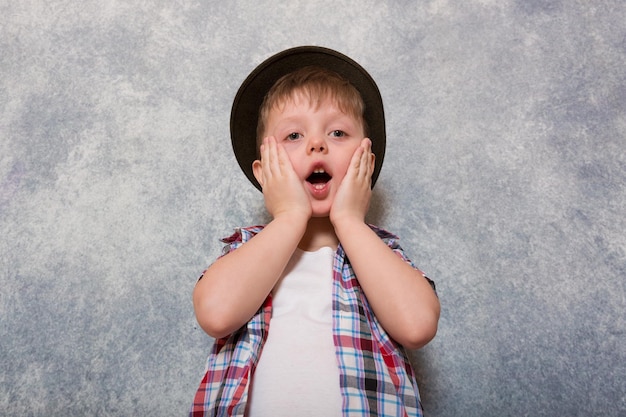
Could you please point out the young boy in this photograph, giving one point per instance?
(311, 313)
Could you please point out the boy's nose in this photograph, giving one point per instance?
(317, 144)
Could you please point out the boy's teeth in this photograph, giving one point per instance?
(319, 177)
(318, 186)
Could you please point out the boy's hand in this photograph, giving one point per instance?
(353, 196)
(282, 189)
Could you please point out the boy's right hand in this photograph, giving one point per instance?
(283, 190)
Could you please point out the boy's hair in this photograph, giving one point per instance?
(316, 84)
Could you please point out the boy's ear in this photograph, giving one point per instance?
(257, 170)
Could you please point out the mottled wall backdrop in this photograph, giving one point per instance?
(504, 176)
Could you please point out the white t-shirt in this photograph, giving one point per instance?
(297, 373)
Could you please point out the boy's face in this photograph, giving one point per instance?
(320, 142)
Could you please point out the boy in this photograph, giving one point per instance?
(311, 313)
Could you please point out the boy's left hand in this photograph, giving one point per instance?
(354, 193)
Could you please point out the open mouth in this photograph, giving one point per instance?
(319, 177)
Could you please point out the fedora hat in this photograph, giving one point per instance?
(245, 111)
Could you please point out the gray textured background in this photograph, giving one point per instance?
(504, 176)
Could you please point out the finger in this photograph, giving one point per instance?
(266, 158)
(365, 159)
(274, 162)
(284, 162)
(371, 158)
(353, 167)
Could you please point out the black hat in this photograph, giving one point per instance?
(245, 112)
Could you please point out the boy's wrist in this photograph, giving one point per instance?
(293, 217)
(346, 225)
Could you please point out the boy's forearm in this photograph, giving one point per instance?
(400, 296)
(236, 285)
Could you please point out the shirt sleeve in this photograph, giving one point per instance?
(231, 243)
(397, 249)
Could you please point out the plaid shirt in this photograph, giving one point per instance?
(376, 378)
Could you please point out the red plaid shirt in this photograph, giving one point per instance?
(376, 378)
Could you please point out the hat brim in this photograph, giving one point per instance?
(245, 110)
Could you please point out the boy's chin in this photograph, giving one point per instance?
(320, 209)
(320, 215)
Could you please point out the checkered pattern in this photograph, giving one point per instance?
(376, 378)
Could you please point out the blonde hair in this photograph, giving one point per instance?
(316, 84)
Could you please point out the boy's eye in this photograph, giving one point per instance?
(338, 133)
(293, 136)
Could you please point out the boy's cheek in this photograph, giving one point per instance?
(289, 151)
